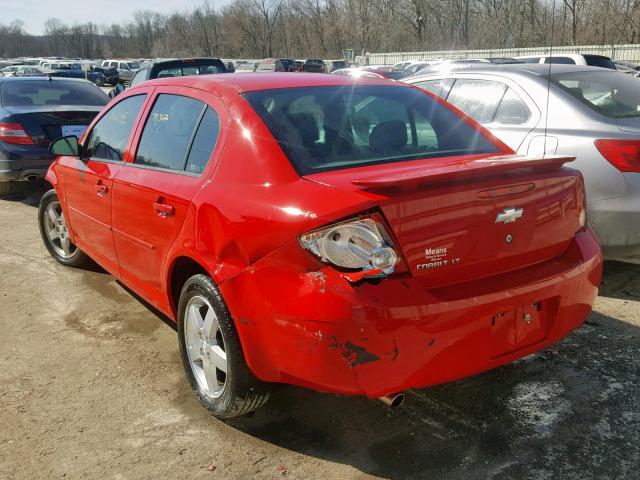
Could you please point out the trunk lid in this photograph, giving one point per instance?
(462, 219)
(45, 123)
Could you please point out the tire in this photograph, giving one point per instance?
(202, 304)
(61, 248)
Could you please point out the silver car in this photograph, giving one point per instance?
(593, 114)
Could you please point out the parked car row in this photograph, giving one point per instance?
(101, 74)
(310, 65)
(424, 66)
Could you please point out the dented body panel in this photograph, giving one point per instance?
(378, 338)
(468, 294)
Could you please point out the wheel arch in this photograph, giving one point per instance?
(182, 268)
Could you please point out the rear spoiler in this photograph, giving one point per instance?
(438, 171)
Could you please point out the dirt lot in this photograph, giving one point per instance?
(92, 387)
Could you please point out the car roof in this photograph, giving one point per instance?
(43, 78)
(539, 69)
(241, 83)
(180, 60)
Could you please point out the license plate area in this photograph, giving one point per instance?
(519, 327)
(77, 130)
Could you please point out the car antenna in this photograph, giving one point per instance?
(546, 120)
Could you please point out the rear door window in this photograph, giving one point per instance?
(204, 142)
(110, 135)
(179, 135)
(439, 87)
(168, 131)
(512, 110)
(477, 98)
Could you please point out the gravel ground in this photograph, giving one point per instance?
(93, 388)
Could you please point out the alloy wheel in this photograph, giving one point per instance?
(56, 230)
(205, 346)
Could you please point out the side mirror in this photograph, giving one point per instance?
(67, 146)
(117, 90)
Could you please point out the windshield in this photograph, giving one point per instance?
(610, 93)
(133, 65)
(331, 128)
(45, 92)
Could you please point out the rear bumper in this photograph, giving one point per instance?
(314, 329)
(20, 162)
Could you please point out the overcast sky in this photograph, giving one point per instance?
(35, 12)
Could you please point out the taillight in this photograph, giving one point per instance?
(361, 245)
(622, 154)
(14, 133)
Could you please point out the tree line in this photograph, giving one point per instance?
(325, 28)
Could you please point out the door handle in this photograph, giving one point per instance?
(164, 209)
(101, 189)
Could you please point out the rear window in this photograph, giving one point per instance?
(331, 128)
(610, 93)
(560, 60)
(44, 92)
(530, 60)
(187, 69)
(600, 61)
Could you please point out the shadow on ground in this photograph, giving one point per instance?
(28, 193)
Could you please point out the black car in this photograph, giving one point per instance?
(111, 75)
(178, 68)
(34, 112)
(313, 66)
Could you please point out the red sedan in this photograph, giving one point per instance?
(358, 237)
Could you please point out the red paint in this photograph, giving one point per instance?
(301, 321)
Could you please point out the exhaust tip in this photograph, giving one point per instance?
(393, 401)
(32, 177)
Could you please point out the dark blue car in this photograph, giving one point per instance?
(34, 111)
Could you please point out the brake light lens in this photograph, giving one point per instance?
(361, 245)
(622, 154)
(14, 133)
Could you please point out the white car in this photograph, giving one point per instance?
(571, 59)
(10, 70)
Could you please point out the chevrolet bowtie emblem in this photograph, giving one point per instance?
(509, 215)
